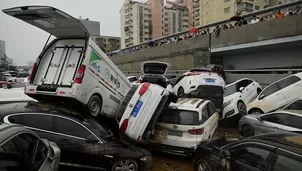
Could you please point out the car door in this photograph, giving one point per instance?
(286, 160)
(42, 124)
(291, 88)
(72, 138)
(271, 98)
(245, 95)
(251, 157)
(294, 123)
(213, 118)
(251, 86)
(25, 151)
(272, 122)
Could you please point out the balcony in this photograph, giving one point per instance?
(196, 6)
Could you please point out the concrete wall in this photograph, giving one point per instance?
(194, 52)
(181, 55)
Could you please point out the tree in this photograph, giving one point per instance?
(12, 68)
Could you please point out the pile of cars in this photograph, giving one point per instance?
(95, 118)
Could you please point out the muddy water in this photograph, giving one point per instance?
(165, 162)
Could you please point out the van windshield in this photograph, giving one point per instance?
(179, 117)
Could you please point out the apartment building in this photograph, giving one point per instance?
(2, 51)
(144, 21)
(107, 43)
(209, 11)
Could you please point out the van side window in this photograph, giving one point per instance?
(270, 90)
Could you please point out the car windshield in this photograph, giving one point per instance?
(98, 129)
(230, 90)
(181, 117)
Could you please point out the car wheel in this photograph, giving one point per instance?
(125, 165)
(256, 111)
(203, 165)
(258, 91)
(241, 108)
(248, 130)
(95, 106)
(180, 92)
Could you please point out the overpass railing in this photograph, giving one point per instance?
(287, 6)
(255, 71)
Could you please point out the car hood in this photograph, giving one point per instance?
(217, 142)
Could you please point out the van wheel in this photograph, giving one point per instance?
(172, 98)
(95, 106)
(180, 92)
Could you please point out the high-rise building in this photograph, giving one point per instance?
(93, 27)
(107, 43)
(2, 51)
(144, 21)
(209, 11)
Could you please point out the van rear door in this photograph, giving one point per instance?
(51, 20)
(58, 65)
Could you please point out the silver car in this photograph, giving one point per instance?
(254, 124)
(22, 149)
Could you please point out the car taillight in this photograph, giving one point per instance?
(80, 74)
(138, 81)
(144, 88)
(124, 126)
(198, 131)
(193, 73)
(33, 69)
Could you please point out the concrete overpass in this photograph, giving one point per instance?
(270, 44)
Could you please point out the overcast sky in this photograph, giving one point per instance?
(24, 42)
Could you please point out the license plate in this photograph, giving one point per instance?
(136, 108)
(175, 133)
(209, 80)
(161, 134)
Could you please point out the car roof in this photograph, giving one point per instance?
(286, 140)
(188, 103)
(292, 112)
(37, 107)
(8, 130)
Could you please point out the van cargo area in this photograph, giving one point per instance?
(58, 64)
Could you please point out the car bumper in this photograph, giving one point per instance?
(230, 110)
(175, 150)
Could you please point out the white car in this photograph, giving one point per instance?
(139, 115)
(72, 68)
(277, 95)
(154, 72)
(201, 83)
(14, 95)
(237, 95)
(184, 124)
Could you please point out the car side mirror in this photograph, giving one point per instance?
(261, 96)
(241, 89)
(91, 139)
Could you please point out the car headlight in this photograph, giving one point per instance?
(227, 103)
(146, 158)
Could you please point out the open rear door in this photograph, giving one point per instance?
(51, 20)
(154, 67)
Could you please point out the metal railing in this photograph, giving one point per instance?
(255, 71)
(211, 25)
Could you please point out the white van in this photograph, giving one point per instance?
(72, 66)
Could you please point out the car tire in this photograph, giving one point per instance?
(241, 108)
(95, 106)
(125, 164)
(255, 111)
(203, 165)
(172, 98)
(180, 92)
(258, 91)
(248, 130)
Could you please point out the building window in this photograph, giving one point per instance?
(257, 7)
(245, 7)
(226, 10)
(140, 9)
(227, 0)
